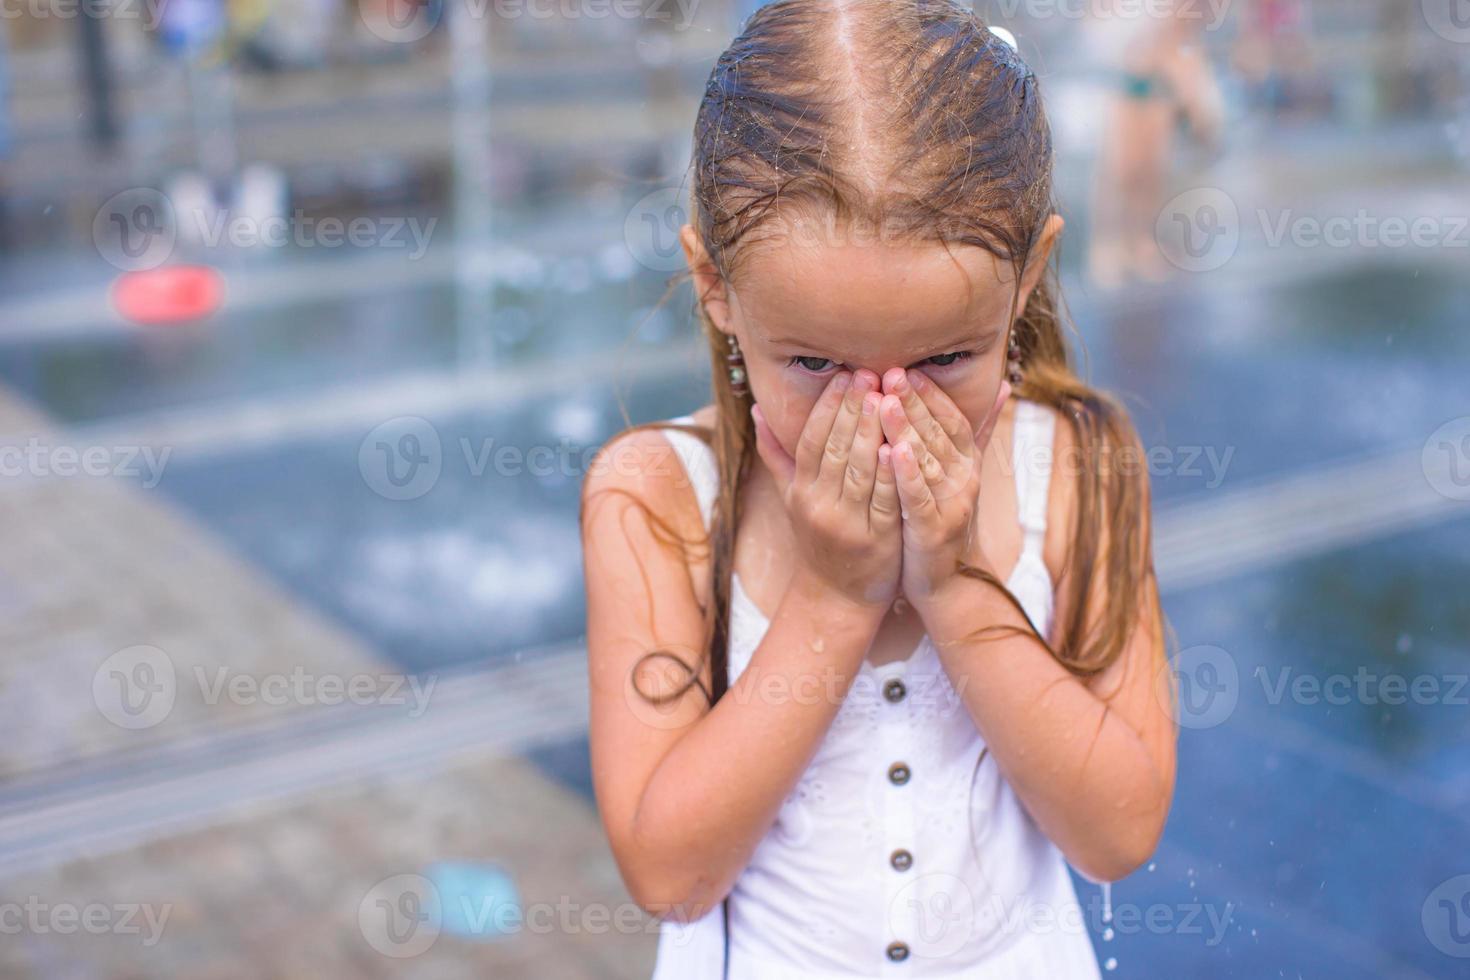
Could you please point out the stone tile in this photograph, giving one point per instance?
(276, 892)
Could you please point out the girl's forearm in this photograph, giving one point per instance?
(719, 789)
(1082, 772)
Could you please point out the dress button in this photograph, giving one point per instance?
(898, 952)
(893, 691)
(901, 860)
(898, 774)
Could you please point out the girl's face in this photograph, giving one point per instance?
(804, 310)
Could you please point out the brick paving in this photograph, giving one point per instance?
(286, 888)
(278, 893)
(94, 565)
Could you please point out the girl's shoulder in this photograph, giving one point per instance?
(640, 466)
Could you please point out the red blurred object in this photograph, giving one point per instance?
(170, 294)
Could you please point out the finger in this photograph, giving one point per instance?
(918, 504)
(862, 461)
(818, 427)
(769, 449)
(898, 429)
(883, 509)
(946, 413)
(839, 440)
(932, 430)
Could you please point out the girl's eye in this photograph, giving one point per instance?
(806, 363)
(818, 365)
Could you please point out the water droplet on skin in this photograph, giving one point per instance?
(818, 646)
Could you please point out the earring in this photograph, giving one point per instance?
(736, 361)
(1013, 358)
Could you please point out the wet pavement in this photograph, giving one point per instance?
(1313, 832)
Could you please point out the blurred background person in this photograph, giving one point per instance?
(1163, 82)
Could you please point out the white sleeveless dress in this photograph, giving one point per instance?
(894, 855)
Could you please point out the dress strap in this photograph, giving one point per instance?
(1031, 455)
(699, 464)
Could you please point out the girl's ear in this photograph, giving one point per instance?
(1036, 263)
(709, 285)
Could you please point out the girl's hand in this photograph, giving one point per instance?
(842, 503)
(936, 458)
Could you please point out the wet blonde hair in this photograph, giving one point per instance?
(915, 120)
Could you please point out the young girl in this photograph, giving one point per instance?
(843, 722)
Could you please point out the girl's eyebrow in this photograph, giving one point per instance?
(944, 348)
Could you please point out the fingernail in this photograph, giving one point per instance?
(916, 379)
(843, 380)
(870, 403)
